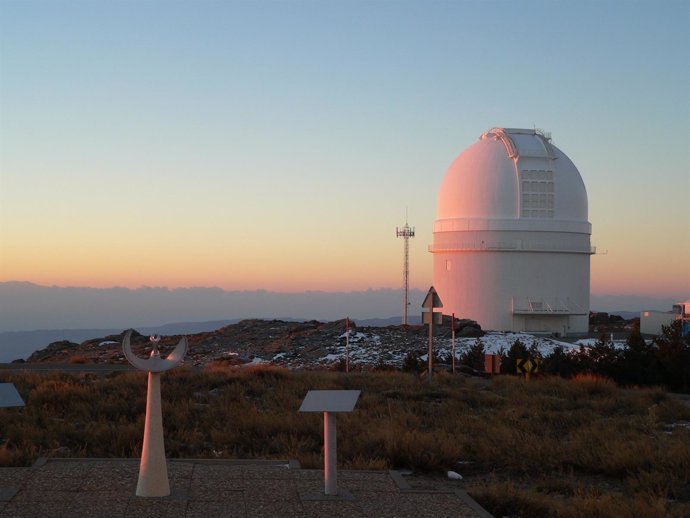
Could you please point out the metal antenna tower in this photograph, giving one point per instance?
(406, 233)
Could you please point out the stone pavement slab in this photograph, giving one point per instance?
(105, 488)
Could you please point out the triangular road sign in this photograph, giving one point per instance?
(432, 300)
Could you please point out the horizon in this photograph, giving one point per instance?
(277, 146)
(26, 306)
(632, 294)
(31, 316)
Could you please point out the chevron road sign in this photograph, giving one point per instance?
(528, 365)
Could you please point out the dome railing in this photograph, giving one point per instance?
(541, 306)
(508, 246)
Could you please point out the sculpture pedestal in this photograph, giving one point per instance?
(153, 470)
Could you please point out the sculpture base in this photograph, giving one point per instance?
(153, 470)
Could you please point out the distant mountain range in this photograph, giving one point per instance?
(25, 306)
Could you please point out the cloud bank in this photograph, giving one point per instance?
(25, 306)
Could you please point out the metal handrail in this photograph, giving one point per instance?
(511, 246)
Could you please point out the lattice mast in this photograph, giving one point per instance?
(406, 233)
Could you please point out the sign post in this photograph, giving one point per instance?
(429, 316)
(329, 402)
(452, 334)
(347, 344)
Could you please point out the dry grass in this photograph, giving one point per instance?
(572, 500)
(579, 448)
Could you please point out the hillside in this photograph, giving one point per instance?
(291, 344)
(309, 344)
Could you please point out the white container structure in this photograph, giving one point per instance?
(651, 322)
(511, 237)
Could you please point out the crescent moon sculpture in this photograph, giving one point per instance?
(154, 363)
(153, 470)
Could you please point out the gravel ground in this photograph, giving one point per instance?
(209, 489)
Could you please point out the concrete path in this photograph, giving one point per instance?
(105, 488)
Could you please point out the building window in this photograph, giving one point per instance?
(537, 197)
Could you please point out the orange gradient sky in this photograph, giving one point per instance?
(277, 146)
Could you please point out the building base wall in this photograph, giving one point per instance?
(516, 291)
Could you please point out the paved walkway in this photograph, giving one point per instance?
(105, 488)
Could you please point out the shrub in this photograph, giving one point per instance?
(474, 357)
(509, 361)
(674, 357)
(411, 363)
(639, 361)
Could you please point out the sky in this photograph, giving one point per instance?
(277, 145)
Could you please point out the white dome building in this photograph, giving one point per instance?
(511, 237)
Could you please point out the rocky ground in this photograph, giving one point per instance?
(291, 344)
(295, 345)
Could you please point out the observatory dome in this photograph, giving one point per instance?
(511, 235)
(512, 173)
